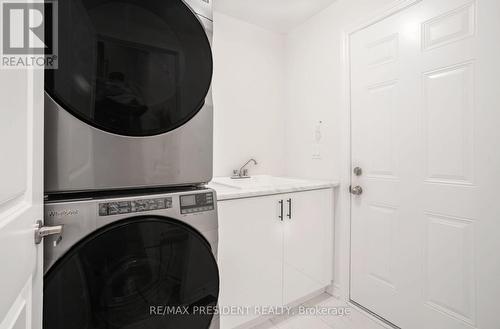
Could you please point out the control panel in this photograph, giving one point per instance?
(134, 206)
(194, 203)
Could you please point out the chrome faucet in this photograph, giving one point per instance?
(243, 172)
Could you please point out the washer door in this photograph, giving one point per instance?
(144, 272)
(130, 67)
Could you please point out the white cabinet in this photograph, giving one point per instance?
(250, 256)
(274, 250)
(308, 243)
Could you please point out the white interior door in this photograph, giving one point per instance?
(21, 198)
(425, 116)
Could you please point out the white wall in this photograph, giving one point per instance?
(272, 90)
(248, 89)
(314, 87)
(314, 91)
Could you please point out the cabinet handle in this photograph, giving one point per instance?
(289, 208)
(281, 210)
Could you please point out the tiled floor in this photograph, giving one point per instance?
(352, 319)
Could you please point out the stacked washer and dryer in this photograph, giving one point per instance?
(128, 149)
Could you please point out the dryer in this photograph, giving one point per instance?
(130, 104)
(132, 261)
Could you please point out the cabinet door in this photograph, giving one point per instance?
(250, 256)
(308, 243)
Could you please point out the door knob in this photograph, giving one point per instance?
(357, 190)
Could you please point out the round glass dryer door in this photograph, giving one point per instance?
(144, 273)
(130, 67)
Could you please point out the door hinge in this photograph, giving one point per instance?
(43, 231)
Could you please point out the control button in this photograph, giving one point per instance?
(125, 207)
(113, 209)
(103, 209)
(160, 204)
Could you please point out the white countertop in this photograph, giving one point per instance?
(261, 185)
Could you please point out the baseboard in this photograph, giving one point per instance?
(294, 304)
(382, 323)
(336, 291)
(308, 297)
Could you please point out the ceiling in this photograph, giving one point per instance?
(277, 15)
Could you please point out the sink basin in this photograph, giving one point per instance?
(257, 182)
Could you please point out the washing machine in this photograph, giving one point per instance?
(130, 104)
(132, 262)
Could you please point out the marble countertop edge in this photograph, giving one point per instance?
(228, 193)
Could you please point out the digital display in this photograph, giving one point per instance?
(195, 203)
(188, 200)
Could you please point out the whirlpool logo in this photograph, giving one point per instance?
(29, 34)
(63, 213)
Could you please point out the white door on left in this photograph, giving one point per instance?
(21, 197)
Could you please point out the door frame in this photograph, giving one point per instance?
(342, 285)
